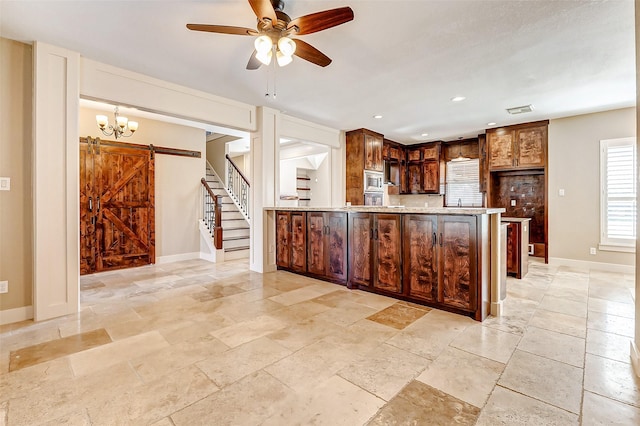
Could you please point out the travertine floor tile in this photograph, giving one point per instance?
(564, 306)
(608, 345)
(552, 345)
(468, 377)
(558, 322)
(398, 315)
(598, 410)
(611, 324)
(247, 331)
(227, 367)
(20, 382)
(303, 333)
(487, 342)
(300, 295)
(508, 408)
(613, 379)
(611, 293)
(53, 349)
(541, 378)
(248, 402)
(418, 402)
(612, 308)
(385, 370)
(334, 402)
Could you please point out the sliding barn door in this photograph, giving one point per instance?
(118, 198)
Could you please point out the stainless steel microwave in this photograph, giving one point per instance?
(373, 181)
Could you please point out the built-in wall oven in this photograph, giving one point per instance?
(373, 181)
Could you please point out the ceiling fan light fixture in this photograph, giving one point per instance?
(283, 59)
(263, 44)
(265, 57)
(286, 46)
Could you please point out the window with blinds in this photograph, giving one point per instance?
(618, 194)
(462, 187)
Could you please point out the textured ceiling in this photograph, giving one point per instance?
(403, 60)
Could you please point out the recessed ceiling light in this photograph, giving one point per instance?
(520, 109)
(425, 134)
(377, 116)
(491, 124)
(458, 99)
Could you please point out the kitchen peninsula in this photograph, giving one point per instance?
(440, 257)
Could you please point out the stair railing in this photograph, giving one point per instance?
(238, 186)
(212, 213)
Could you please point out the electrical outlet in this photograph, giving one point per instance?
(592, 250)
(5, 184)
(4, 286)
(561, 192)
(513, 203)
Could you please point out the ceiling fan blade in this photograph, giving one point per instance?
(253, 63)
(321, 20)
(309, 53)
(223, 29)
(264, 9)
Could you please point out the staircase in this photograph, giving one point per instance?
(235, 228)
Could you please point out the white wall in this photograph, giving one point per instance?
(574, 165)
(177, 179)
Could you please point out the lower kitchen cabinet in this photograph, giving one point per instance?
(440, 259)
(327, 245)
(291, 237)
(387, 252)
(360, 237)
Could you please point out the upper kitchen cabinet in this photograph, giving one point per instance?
(423, 169)
(363, 152)
(523, 146)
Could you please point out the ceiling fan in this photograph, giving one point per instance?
(275, 28)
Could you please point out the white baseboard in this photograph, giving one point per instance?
(600, 266)
(177, 257)
(16, 315)
(635, 358)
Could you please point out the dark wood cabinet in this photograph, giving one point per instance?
(327, 245)
(517, 177)
(414, 177)
(420, 257)
(363, 152)
(517, 247)
(440, 260)
(517, 147)
(372, 199)
(291, 237)
(458, 268)
(431, 177)
(423, 169)
(360, 237)
(387, 252)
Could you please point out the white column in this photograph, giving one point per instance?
(264, 167)
(55, 182)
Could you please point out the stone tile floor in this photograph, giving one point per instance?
(193, 343)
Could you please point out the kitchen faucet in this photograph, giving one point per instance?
(459, 202)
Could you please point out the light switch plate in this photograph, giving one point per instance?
(561, 192)
(5, 184)
(4, 287)
(513, 203)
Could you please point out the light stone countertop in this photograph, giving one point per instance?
(514, 219)
(395, 209)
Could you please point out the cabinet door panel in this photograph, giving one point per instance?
(337, 226)
(431, 153)
(531, 146)
(419, 251)
(315, 253)
(283, 254)
(298, 241)
(431, 177)
(387, 245)
(373, 153)
(360, 228)
(414, 154)
(414, 178)
(500, 149)
(457, 237)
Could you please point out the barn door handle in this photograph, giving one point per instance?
(90, 204)
(371, 233)
(441, 239)
(433, 239)
(376, 234)
(98, 201)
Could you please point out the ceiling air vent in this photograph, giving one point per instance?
(520, 109)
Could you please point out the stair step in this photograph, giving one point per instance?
(231, 249)
(235, 238)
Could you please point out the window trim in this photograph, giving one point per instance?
(614, 244)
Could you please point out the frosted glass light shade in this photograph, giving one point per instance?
(265, 57)
(102, 121)
(283, 59)
(133, 126)
(263, 44)
(286, 46)
(122, 122)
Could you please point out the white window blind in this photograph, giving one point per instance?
(618, 189)
(463, 184)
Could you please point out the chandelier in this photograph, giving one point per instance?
(123, 128)
(284, 48)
